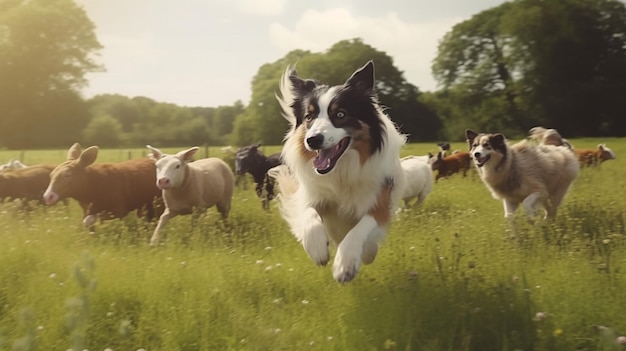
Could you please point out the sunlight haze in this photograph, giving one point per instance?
(205, 53)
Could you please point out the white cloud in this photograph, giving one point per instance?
(125, 54)
(264, 7)
(129, 62)
(413, 46)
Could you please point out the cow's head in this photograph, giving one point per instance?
(606, 153)
(69, 179)
(171, 169)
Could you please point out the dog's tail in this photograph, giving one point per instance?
(549, 137)
(287, 183)
(286, 195)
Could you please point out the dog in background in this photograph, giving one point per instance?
(586, 157)
(549, 137)
(342, 178)
(524, 173)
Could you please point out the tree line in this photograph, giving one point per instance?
(558, 63)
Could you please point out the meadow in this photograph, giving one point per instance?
(447, 277)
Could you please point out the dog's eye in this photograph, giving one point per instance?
(340, 114)
(308, 117)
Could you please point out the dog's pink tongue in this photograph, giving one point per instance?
(322, 160)
(324, 157)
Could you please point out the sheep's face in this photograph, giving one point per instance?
(170, 172)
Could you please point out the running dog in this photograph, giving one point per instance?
(524, 173)
(342, 177)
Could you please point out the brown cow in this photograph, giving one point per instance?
(448, 165)
(107, 190)
(26, 184)
(594, 157)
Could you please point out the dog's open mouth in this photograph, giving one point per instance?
(480, 161)
(326, 159)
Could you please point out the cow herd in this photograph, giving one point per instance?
(157, 186)
(163, 186)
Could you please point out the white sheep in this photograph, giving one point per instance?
(191, 187)
(419, 179)
(13, 164)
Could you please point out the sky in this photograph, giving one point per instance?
(206, 52)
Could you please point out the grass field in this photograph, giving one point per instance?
(447, 277)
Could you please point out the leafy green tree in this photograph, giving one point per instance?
(224, 120)
(104, 131)
(472, 64)
(145, 121)
(560, 63)
(126, 111)
(573, 60)
(46, 48)
(333, 67)
(400, 98)
(194, 132)
(262, 120)
(246, 130)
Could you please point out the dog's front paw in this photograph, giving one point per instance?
(346, 265)
(315, 244)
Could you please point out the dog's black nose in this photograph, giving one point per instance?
(477, 154)
(315, 142)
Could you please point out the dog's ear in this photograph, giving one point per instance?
(470, 135)
(300, 86)
(497, 141)
(363, 78)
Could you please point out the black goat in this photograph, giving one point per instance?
(249, 159)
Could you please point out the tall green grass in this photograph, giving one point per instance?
(447, 277)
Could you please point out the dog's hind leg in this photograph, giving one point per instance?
(556, 200)
(551, 205)
(370, 249)
(531, 203)
(550, 210)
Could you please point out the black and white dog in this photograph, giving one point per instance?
(342, 176)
